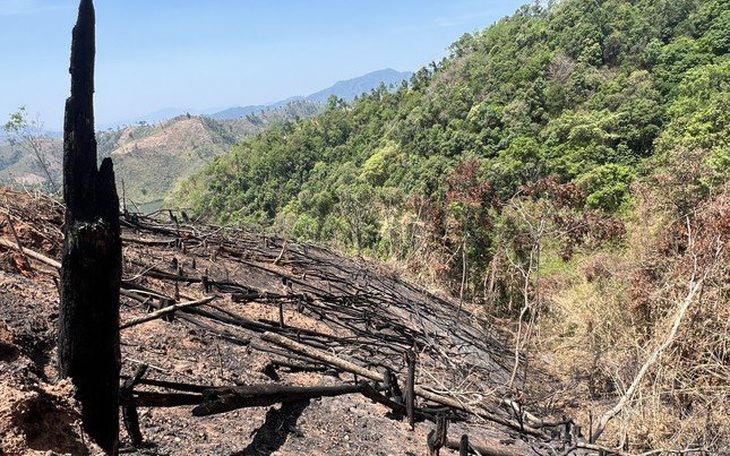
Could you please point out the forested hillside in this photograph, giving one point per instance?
(567, 167)
(582, 97)
(150, 158)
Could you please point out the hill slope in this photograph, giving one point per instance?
(565, 168)
(149, 159)
(363, 314)
(19, 164)
(594, 95)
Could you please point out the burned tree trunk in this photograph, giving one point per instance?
(88, 337)
(225, 399)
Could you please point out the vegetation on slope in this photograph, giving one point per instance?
(148, 158)
(582, 93)
(570, 162)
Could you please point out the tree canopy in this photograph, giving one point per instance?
(570, 102)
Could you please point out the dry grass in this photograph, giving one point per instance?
(613, 309)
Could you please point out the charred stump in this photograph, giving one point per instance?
(410, 396)
(437, 438)
(88, 336)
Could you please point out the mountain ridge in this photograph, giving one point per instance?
(152, 153)
(346, 89)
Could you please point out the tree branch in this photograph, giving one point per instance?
(695, 286)
(159, 313)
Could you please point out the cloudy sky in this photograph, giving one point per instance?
(202, 54)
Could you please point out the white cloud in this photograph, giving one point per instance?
(18, 7)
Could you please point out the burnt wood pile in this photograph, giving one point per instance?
(353, 328)
(380, 331)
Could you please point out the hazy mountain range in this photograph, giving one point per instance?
(153, 152)
(347, 90)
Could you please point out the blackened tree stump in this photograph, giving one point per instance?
(88, 340)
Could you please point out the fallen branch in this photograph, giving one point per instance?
(695, 286)
(17, 241)
(322, 356)
(152, 399)
(221, 400)
(159, 313)
(160, 242)
(485, 448)
(378, 377)
(30, 253)
(397, 409)
(51, 262)
(173, 385)
(531, 419)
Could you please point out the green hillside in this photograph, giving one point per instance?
(19, 165)
(150, 158)
(592, 94)
(569, 162)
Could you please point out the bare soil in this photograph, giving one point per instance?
(347, 307)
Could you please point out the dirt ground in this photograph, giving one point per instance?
(349, 308)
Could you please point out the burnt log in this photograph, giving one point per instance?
(88, 335)
(129, 412)
(221, 400)
(155, 399)
(486, 447)
(464, 445)
(166, 311)
(379, 377)
(437, 438)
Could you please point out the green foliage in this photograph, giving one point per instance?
(587, 95)
(607, 186)
(18, 121)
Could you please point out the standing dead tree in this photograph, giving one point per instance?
(27, 134)
(88, 336)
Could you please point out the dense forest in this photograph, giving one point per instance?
(578, 99)
(569, 162)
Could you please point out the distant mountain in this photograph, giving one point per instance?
(235, 113)
(153, 152)
(347, 90)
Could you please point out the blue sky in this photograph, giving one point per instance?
(200, 54)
